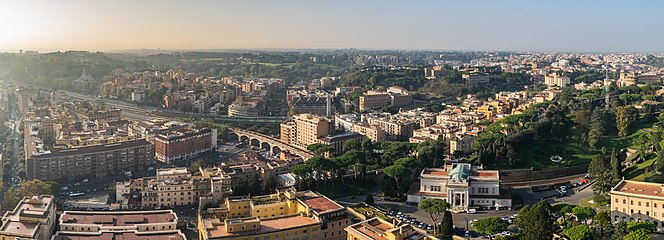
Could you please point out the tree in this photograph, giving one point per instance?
(319, 148)
(583, 213)
(396, 172)
(647, 226)
(579, 232)
(446, 225)
(616, 166)
(490, 225)
(620, 230)
(369, 199)
(434, 207)
(597, 126)
(535, 221)
(197, 164)
(602, 222)
(659, 164)
(640, 234)
(406, 162)
(599, 170)
(352, 144)
(26, 189)
(625, 118)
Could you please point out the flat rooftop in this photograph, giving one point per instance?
(125, 218)
(267, 225)
(35, 206)
(322, 204)
(162, 235)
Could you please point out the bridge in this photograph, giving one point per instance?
(268, 143)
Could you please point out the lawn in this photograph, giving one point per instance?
(640, 171)
(539, 156)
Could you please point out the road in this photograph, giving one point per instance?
(460, 219)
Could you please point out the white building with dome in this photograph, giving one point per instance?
(462, 185)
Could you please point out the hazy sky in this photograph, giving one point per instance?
(561, 25)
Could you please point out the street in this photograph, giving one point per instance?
(460, 219)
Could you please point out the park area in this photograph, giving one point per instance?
(539, 156)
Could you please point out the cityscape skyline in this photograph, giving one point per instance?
(565, 26)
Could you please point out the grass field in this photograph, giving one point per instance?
(539, 156)
(640, 171)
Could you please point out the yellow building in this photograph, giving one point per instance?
(284, 215)
(638, 201)
(309, 128)
(288, 132)
(32, 218)
(371, 132)
(379, 229)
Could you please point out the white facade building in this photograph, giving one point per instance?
(463, 186)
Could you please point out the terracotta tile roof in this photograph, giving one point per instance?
(322, 204)
(435, 172)
(640, 188)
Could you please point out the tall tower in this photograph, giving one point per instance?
(329, 105)
(606, 89)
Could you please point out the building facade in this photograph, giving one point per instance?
(184, 144)
(157, 224)
(462, 185)
(638, 201)
(32, 218)
(285, 215)
(90, 161)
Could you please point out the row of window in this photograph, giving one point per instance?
(631, 202)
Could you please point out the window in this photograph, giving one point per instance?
(647, 204)
(624, 201)
(639, 203)
(631, 202)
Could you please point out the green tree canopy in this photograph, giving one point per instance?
(535, 221)
(434, 207)
(638, 225)
(579, 232)
(490, 225)
(583, 213)
(397, 172)
(640, 234)
(26, 189)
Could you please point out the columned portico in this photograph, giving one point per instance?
(458, 198)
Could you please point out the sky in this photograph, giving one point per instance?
(492, 25)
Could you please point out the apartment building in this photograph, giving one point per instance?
(306, 129)
(374, 100)
(379, 229)
(284, 215)
(462, 185)
(288, 132)
(32, 218)
(170, 187)
(89, 161)
(157, 224)
(184, 144)
(556, 79)
(638, 201)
